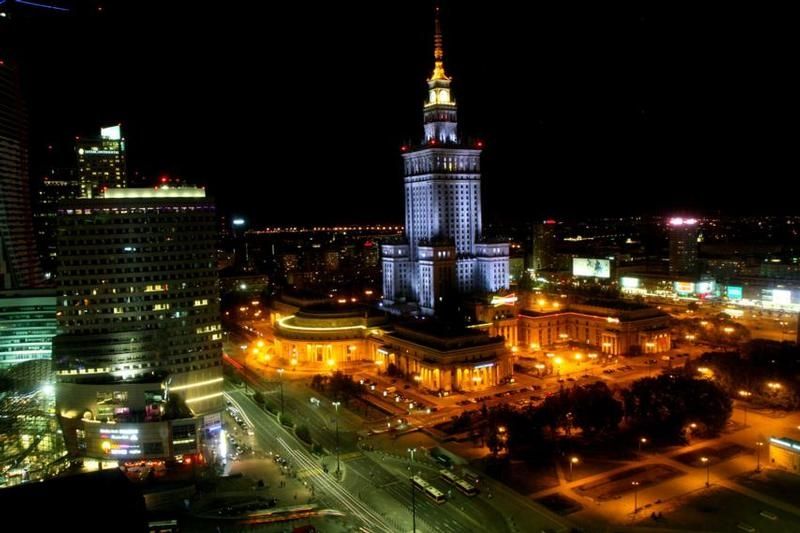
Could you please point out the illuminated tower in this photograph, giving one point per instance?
(445, 254)
(101, 162)
(544, 241)
(683, 245)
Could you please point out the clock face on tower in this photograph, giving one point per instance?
(439, 96)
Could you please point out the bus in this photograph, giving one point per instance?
(429, 490)
(471, 476)
(466, 488)
(434, 494)
(448, 476)
(419, 483)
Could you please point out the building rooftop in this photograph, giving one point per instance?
(155, 192)
(442, 336)
(116, 503)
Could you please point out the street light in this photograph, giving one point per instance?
(746, 395)
(411, 451)
(336, 406)
(572, 461)
(635, 485)
(280, 382)
(643, 440)
(759, 444)
(708, 470)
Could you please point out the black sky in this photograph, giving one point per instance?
(294, 112)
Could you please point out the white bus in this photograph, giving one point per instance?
(419, 483)
(435, 494)
(448, 476)
(466, 487)
(429, 490)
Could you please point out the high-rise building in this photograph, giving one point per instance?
(138, 356)
(101, 162)
(19, 266)
(445, 253)
(544, 246)
(683, 245)
(59, 185)
(27, 325)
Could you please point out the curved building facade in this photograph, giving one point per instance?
(328, 335)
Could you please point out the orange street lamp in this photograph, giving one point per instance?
(572, 461)
(708, 470)
(642, 441)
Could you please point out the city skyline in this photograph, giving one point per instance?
(598, 99)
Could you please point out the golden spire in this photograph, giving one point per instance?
(438, 51)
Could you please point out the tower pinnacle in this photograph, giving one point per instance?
(438, 51)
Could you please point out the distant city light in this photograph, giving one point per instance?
(678, 221)
(238, 222)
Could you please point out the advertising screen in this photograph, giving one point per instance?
(684, 287)
(591, 268)
(734, 292)
(629, 283)
(782, 297)
(704, 287)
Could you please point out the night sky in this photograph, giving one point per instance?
(294, 112)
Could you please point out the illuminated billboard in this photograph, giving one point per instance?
(684, 287)
(629, 283)
(704, 287)
(591, 268)
(780, 297)
(113, 133)
(734, 292)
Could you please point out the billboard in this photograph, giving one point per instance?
(684, 287)
(629, 283)
(591, 268)
(704, 287)
(781, 297)
(734, 292)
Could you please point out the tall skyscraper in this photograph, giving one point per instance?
(140, 344)
(544, 246)
(101, 162)
(19, 266)
(59, 185)
(444, 253)
(683, 245)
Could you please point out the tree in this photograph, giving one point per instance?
(664, 406)
(595, 408)
(258, 398)
(303, 433)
